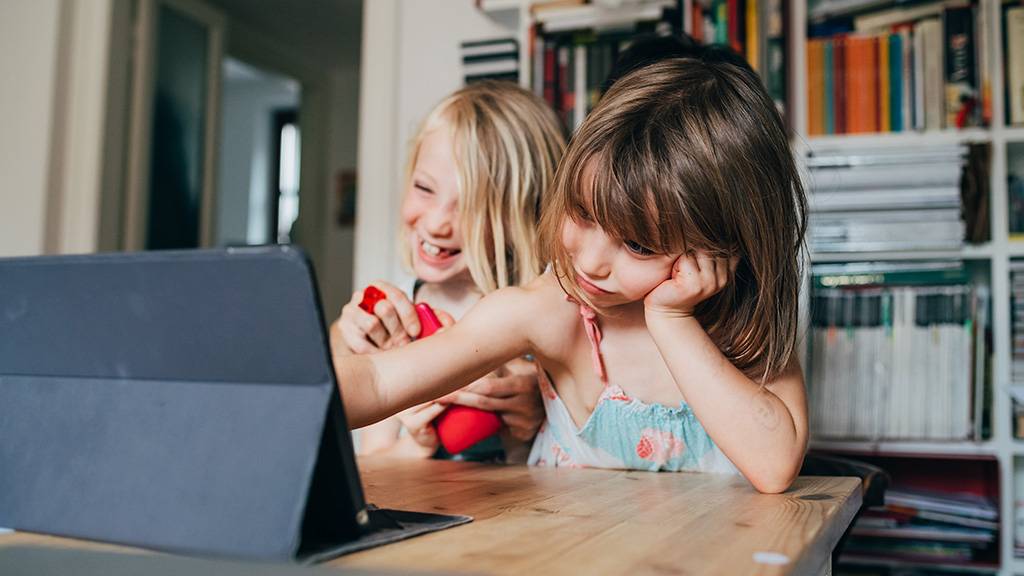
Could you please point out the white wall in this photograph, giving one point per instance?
(410, 62)
(246, 149)
(336, 274)
(28, 63)
(54, 59)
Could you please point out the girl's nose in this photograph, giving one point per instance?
(595, 254)
(439, 222)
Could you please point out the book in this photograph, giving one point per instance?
(892, 176)
(932, 72)
(895, 94)
(490, 59)
(815, 87)
(1014, 19)
(960, 504)
(882, 20)
(961, 82)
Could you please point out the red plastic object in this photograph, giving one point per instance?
(371, 296)
(459, 427)
(428, 320)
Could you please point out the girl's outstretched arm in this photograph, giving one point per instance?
(761, 429)
(493, 332)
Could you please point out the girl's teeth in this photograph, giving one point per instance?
(431, 249)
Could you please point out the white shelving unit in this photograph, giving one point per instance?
(997, 253)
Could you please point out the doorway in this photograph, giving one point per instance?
(258, 171)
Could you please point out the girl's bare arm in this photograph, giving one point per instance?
(761, 429)
(494, 331)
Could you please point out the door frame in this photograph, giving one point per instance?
(141, 118)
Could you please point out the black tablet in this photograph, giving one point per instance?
(182, 401)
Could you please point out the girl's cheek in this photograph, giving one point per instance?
(570, 235)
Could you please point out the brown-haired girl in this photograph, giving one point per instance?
(666, 325)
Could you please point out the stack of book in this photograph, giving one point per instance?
(921, 526)
(870, 200)
(496, 59)
(897, 352)
(923, 66)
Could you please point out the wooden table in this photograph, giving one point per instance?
(541, 520)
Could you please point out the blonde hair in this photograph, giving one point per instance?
(507, 143)
(691, 154)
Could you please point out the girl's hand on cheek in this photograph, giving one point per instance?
(696, 276)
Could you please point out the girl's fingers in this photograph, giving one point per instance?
(445, 318)
(687, 268)
(356, 340)
(706, 265)
(397, 336)
(474, 400)
(385, 310)
(403, 308)
(722, 273)
(419, 417)
(374, 330)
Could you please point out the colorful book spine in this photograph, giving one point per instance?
(961, 84)
(815, 87)
(1015, 64)
(895, 42)
(884, 89)
(828, 88)
(839, 82)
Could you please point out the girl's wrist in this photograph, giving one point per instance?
(656, 312)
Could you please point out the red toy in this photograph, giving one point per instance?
(428, 320)
(458, 427)
(371, 296)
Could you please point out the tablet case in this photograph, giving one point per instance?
(181, 401)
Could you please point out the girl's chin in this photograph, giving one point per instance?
(437, 274)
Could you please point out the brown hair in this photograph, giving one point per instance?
(507, 144)
(691, 154)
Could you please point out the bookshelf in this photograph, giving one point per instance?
(996, 255)
(998, 455)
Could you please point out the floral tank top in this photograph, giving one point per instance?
(622, 432)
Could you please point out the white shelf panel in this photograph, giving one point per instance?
(1015, 248)
(899, 139)
(909, 448)
(499, 5)
(968, 252)
(1014, 133)
(598, 17)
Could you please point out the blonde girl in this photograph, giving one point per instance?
(478, 168)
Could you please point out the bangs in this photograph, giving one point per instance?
(635, 201)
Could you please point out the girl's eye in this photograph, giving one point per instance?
(637, 249)
(422, 187)
(582, 214)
